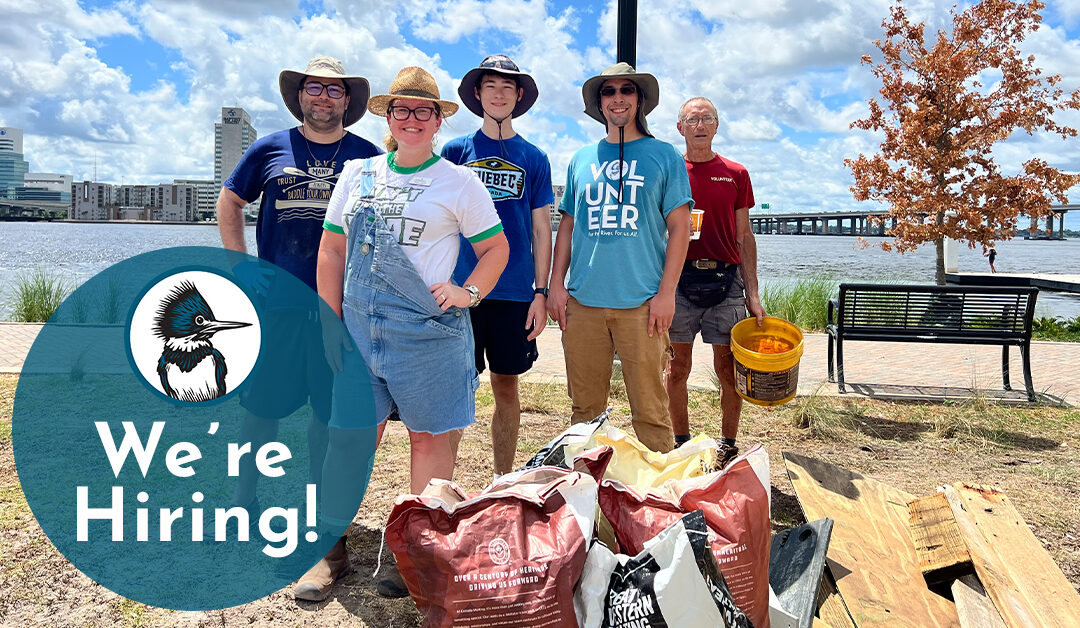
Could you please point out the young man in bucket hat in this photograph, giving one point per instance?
(517, 174)
(620, 248)
(719, 281)
(294, 172)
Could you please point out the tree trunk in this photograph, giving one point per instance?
(939, 274)
(939, 246)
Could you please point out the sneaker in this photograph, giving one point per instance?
(727, 453)
(392, 586)
(316, 584)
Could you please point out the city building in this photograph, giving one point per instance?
(13, 167)
(232, 136)
(47, 186)
(207, 192)
(556, 217)
(91, 200)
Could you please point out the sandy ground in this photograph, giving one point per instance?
(1029, 452)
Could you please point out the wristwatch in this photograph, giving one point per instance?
(543, 291)
(474, 295)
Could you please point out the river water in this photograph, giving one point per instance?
(80, 251)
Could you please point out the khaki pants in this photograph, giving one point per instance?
(592, 336)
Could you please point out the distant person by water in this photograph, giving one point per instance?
(992, 255)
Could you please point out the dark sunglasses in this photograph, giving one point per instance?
(627, 89)
(401, 113)
(315, 88)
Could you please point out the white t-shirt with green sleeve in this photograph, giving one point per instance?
(426, 207)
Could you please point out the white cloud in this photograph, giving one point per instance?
(785, 76)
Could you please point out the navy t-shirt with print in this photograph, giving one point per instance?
(295, 178)
(517, 174)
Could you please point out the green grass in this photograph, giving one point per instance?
(1056, 329)
(37, 295)
(800, 301)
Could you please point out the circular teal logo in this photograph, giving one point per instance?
(170, 425)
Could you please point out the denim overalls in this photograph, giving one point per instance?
(420, 359)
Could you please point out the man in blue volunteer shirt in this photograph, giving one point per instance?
(518, 177)
(294, 172)
(620, 249)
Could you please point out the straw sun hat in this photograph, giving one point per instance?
(412, 82)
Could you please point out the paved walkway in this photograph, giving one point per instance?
(882, 369)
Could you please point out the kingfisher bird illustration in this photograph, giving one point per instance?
(191, 369)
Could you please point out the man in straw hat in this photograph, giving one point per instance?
(517, 174)
(719, 280)
(294, 172)
(620, 248)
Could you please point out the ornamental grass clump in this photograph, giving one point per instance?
(36, 296)
(802, 302)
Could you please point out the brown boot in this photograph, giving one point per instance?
(316, 584)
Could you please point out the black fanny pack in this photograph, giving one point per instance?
(707, 287)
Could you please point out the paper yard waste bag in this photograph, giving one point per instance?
(509, 556)
(674, 581)
(736, 507)
(575, 437)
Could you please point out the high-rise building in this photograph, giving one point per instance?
(13, 167)
(208, 194)
(232, 136)
(93, 201)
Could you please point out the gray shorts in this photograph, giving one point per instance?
(714, 322)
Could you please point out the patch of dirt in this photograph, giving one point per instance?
(1030, 453)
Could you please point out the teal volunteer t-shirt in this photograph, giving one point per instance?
(618, 249)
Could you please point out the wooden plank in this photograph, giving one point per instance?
(943, 557)
(975, 608)
(820, 624)
(796, 562)
(871, 554)
(1027, 587)
(830, 605)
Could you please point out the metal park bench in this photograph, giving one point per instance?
(927, 313)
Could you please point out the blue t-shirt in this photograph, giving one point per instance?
(518, 177)
(295, 178)
(617, 250)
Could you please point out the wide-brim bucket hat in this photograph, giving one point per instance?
(497, 64)
(412, 82)
(289, 82)
(646, 83)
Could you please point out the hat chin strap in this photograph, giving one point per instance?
(498, 123)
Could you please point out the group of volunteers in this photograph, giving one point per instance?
(441, 265)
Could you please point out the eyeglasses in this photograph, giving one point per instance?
(626, 89)
(694, 121)
(315, 88)
(401, 113)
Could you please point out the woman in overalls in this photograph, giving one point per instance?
(389, 247)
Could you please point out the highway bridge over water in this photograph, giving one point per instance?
(859, 223)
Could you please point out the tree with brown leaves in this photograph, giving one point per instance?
(947, 106)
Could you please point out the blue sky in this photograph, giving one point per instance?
(138, 86)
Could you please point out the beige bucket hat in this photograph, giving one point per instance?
(289, 82)
(646, 84)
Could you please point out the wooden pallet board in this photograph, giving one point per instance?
(975, 608)
(943, 557)
(871, 554)
(831, 607)
(1024, 582)
(796, 562)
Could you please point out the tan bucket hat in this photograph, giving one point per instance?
(325, 67)
(412, 82)
(646, 84)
